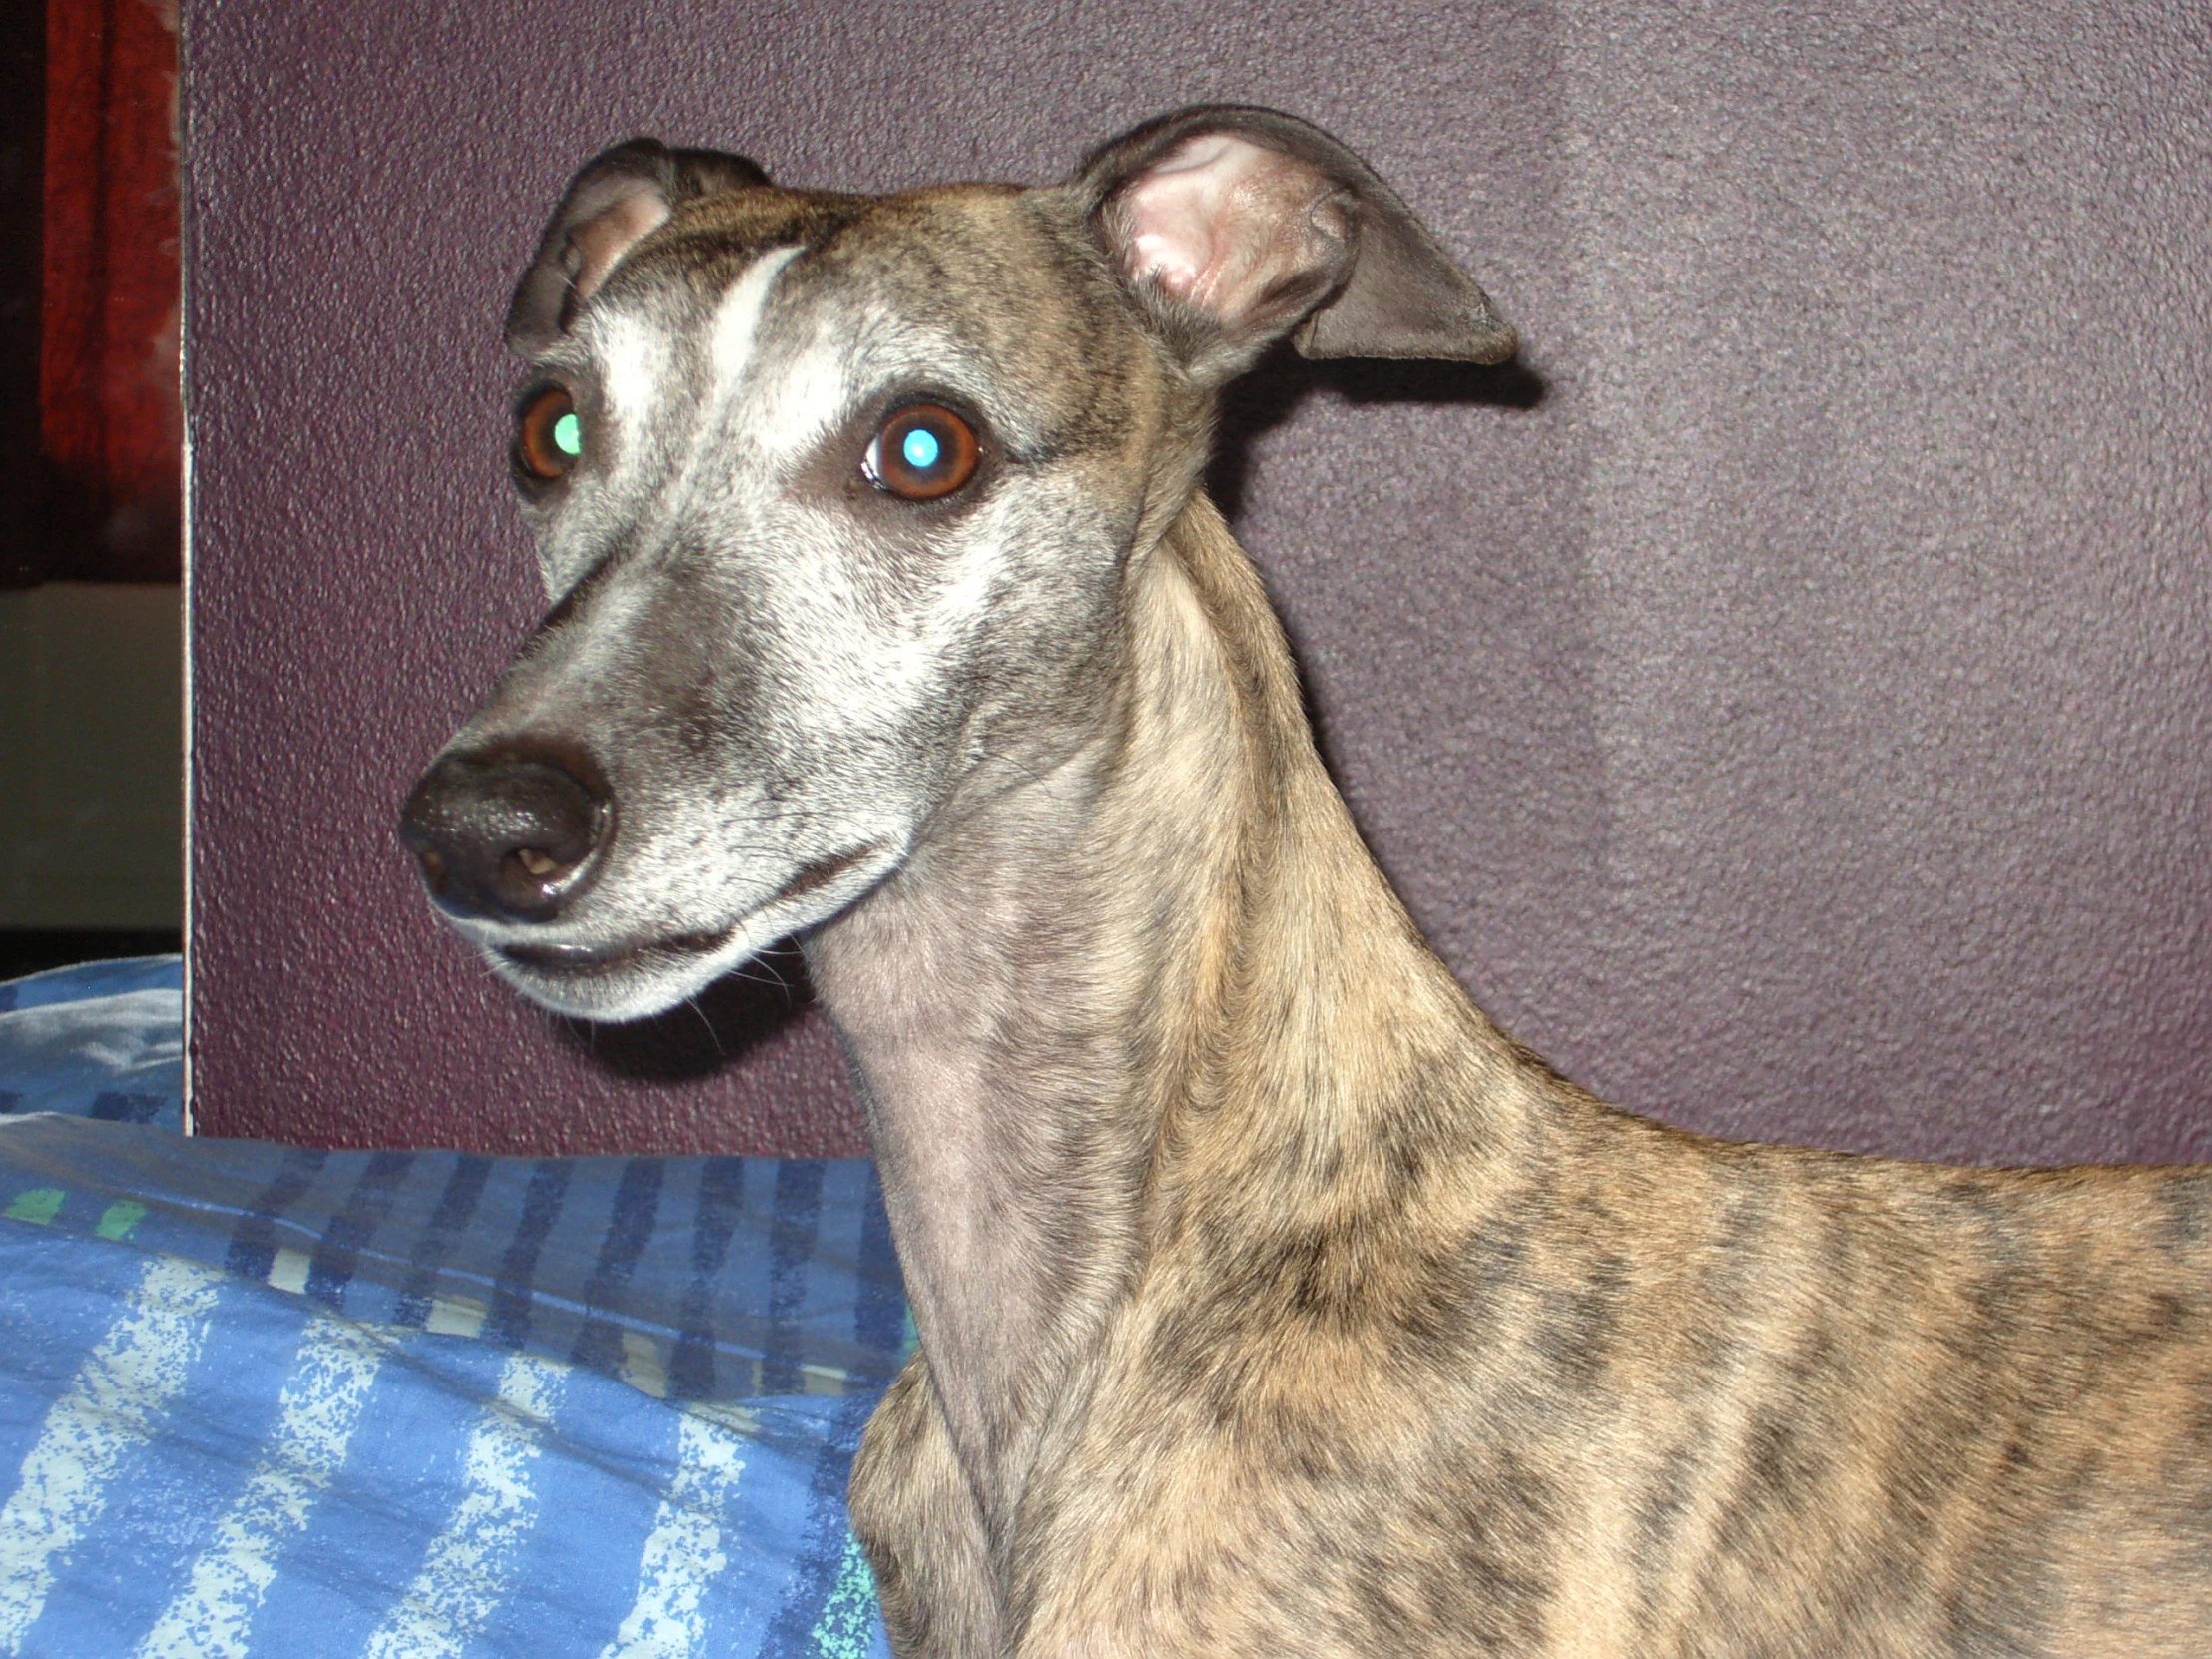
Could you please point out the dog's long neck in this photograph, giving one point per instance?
(1168, 957)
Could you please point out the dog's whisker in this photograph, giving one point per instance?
(1022, 766)
(713, 1036)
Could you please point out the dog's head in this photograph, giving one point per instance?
(835, 498)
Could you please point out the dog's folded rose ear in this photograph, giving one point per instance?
(621, 196)
(1234, 227)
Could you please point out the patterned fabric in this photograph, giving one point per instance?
(104, 1041)
(263, 1400)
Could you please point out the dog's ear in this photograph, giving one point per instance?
(619, 197)
(1233, 226)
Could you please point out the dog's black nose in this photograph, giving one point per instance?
(507, 834)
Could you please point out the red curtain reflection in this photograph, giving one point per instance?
(109, 421)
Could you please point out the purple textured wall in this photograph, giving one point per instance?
(1787, 707)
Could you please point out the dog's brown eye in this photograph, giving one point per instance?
(549, 439)
(921, 452)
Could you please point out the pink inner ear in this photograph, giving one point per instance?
(1223, 224)
(598, 243)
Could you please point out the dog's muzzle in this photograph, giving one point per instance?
(509, 834)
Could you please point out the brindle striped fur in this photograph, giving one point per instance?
(1413, 1348)
(1272, 1300)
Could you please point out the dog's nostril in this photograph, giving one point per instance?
(530, 878)
(511, 833)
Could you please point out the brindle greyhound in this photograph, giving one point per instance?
(1272, 1300)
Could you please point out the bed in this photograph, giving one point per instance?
(258, 1400)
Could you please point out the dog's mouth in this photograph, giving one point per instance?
(585, 961)
(679, 951)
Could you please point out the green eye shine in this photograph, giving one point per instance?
(549, 439)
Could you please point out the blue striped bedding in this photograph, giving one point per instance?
(262, 1401)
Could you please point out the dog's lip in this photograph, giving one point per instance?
(574, 961)
(578, 961)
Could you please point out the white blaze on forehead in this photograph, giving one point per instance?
(633, 361)
(738, 319)
(635, 357)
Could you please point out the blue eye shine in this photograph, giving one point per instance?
(922, 452)
(922, 448)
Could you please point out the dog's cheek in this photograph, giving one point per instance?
(1054, 638)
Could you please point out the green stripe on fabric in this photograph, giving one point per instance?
(40, 1204)
(849, 1616)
